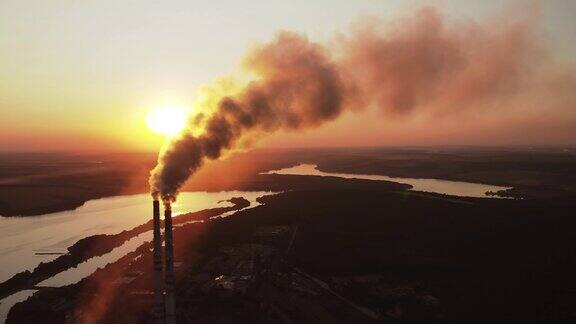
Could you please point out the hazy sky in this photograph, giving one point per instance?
(84, 73)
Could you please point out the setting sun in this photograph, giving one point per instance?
(287, 161)
(167, 120)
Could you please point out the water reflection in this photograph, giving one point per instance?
(83, 270)
(8, 302)
(454, 188)
(22, 237)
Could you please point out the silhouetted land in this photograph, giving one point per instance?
(39, 183)
(98, 245)
(348, 251)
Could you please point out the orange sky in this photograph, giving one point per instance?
(84, 75)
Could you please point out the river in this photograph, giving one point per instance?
(453, 188)
(27, 241)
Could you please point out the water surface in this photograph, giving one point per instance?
(8, 302)
(22, 237)
(86, 268)
(453, 188)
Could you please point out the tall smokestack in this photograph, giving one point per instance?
(169, 254)
(157, 245)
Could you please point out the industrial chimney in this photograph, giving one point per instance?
(169, 255)
(158, 287)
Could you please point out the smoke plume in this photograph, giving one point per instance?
(297, 86)
(419, 64)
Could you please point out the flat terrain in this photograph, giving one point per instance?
(533, 172)
(347, 251)
(39, 183)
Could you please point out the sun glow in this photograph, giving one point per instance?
(167, 120)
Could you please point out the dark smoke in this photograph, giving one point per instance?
(420, 64)
(298, 86)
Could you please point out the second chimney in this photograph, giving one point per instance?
(157, 250)
(169, 255)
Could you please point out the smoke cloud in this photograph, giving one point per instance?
(297, 86)
(419, 64)
(425, 63)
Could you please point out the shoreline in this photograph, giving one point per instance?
(286, 247)
(74, 206)
(98, 245)
(256, 186)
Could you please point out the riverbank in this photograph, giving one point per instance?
(434, 186)
(98, 245)
(348, 252)
(40, 183)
